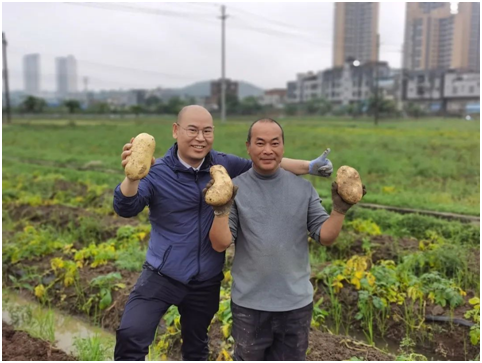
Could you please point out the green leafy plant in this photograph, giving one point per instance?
(474, 314)
(319, 314)
(106, 284)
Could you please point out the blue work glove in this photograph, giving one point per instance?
(321, 166)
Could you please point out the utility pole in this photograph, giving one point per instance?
(223, 64)
(376, 80)
(5, 76)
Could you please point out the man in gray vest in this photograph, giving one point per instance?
(268, 220)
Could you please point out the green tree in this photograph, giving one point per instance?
(385, 107)
(232, 104)
(291, 109)
(136, 109)
(413, 110)
(174, 105)
(100, 107)
(318, 106)
(250, 106)
(33, 104)
(152, 101)
(72, 105)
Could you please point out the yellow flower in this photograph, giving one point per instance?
(226, 329)
(359, 275)
(56, 263)
(337, 285)
(40, 291)
(227, 276)
(356, 282)
(370, 279)
(388, 190)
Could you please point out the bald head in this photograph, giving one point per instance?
(193, 112)
(268, 120)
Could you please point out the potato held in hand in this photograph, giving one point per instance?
(139, 162)
(222, 190)
(350, 186)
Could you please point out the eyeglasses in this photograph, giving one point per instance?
(191, 131)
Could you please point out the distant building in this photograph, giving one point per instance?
(437, 38)
(441, 91)
(232, 88)
(355, 35)
(31, 74)
(136, 97)
(66, 73)
(275, 98)
(339, 85)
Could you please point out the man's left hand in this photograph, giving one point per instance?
(321, 166)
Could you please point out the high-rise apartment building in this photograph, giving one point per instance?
(31, 74)
(355, 35)
(66, 72)
(438, 37)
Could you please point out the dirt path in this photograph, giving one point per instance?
(18, 345)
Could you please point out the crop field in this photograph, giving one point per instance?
(393, 286)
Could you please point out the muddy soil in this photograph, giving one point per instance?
(19, 346)
(61, 216)
(386, 247)
(324, 346)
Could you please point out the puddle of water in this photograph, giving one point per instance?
(67, 328)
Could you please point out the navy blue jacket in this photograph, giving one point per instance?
(179, 246)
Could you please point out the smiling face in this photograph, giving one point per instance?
(266, 147)
(192, 146)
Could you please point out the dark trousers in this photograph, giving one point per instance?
(149, 300)
(272, 336)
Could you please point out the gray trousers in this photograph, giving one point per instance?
(270, 336)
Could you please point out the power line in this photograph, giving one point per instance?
(273, 21)
(309, 39)
(110, 66)
(149, 11)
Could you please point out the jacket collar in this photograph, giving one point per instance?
(175, 164)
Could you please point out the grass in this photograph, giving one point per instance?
(93, 348)
(37, 322)
(430, 164)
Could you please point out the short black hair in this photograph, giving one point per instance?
(266, 119)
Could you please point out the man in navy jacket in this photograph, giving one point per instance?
(181, 266)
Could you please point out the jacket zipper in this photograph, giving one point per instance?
(164, 259)
(199, 227)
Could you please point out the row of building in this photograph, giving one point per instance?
(65, 75)
(440, 62)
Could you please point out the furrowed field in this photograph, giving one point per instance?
(406, 286)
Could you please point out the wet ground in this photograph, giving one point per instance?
(19, 346)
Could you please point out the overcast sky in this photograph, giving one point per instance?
(146, 45)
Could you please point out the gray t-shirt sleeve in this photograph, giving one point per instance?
(233, 222)
(316, 215)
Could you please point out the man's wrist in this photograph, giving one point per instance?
(221, 213)
(340, 210)
(311, 166)
(338, 213)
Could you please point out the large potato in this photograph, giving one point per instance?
(140, 159)
(222, 189)
(350, 186)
